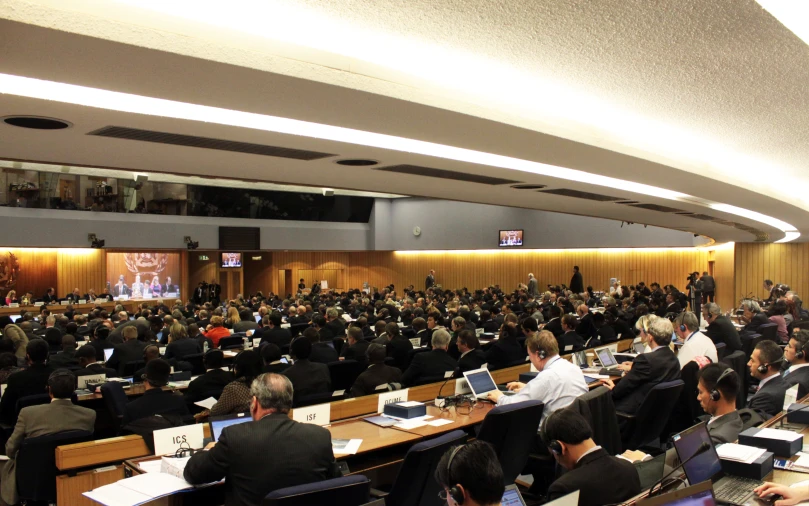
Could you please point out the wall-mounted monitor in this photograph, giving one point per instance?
(231, 260)
(510, 238)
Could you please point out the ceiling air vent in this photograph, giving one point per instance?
(417, 170)
(581, 195)
(704, 217)
(655, 207)
(528, 186)
(627, 202)
(193, 141)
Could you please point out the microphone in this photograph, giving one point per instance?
(702, 448)
(787, 412)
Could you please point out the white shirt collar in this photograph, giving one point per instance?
(464, 354)
(797, 366)
(591, 450)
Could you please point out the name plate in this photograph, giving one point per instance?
(93, 378)
(462, 387)
(286, 326)
(82, 301)
(168, 441)
(318, 414)
(256, 342)
(162, 351)
(65, 303)
(15, 304)
(416, 342)
(390, 398)
(38, 303)
(172, 295)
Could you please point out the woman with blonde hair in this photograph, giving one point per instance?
(232, 317)
(11, 297)
(179, 344)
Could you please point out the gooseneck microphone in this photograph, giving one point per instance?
(702, 448)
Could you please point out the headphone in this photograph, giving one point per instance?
(554, 445)
(763, 367)
(799, 353)
(454, 492)
(682, 328)
(714, 393)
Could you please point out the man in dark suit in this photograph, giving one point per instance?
(586, 329)
(506, 350)
(720, 328)
(325, 332)
(335, 323)
(376, 374)
(240, 454)
(323, 352)
(570, 341)
(29, 381)
(65, 358)
(306, 376)
(599, 477)
(474, 471)
(554, 325)
(430, 281)
(432, 365)
(671, 306)
(86, 357)
(533, 286)
(576, 282)
(273, 360)
(74, 297)
(214, 378)
(658, 366)
(472, 357)
(753, 316)
(155, 400)
(725, 423)
(356, 346)
(214, 293)
(200, 293)
(765, 365)
(273, 333)
(797, 354)
(247, 321)
(50, 296)
(130, 350)
(398, 346)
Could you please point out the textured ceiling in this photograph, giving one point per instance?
(709, 87)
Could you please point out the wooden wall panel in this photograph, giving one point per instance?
(82, 269)
(258, 274)
(781, 263)
(36, 270)
(116, 265)
(202, 270)
(725, 276)
(308, 261)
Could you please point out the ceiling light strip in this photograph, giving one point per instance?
(136, 104)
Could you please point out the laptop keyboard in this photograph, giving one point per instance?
(735, 489)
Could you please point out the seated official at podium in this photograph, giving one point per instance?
(718, 387)
(471, 475)
(272, 452)
(600, 477)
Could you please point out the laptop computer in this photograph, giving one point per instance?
(727, 489)
(220, 422)
(481, 383)
(108, 353)
(609, 365)
(700, 494)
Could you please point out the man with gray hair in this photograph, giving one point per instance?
(432, 365)
(658, 366)
(243, 453)
(753, 316)
(720, 328)
(533, 286)
(695, 343)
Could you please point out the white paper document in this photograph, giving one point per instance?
(345, 446)
(138, 489)
(414, 423)
(151, 466)
(438, 422)
(207, 403)
(410, 404)
(739, 453)
(784, 435)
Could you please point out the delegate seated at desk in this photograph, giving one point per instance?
(470, 474)
(155, 400)
(696, 344)
(796, 354)
(86, 355)
(725, 423)
(377, 373)
(214, 379)
(59, 415)
(31, 381)
(600, 477)
(433, 364)
(765, 365)
(269, 453)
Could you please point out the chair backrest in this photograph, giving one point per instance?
(687, 408)
(750, 418)
(653, 413)
(31, 400)
(721, 350)
(346, 491)
(412, 353)
(602, 417)
(297, 328)
(197, 363)
(415, 484)
(508, 428)
(309, 400)
(115, 400)
(36, 464)
(230, 342)
(738, 362)
(344, 373)
(769, 331)
(131, 367)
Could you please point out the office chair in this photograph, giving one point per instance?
(320, 398)
(738, 362)
(345, 491)
(344, 373)
(769, 331)
(36, 464)
(415, 484)
(721, 351)
(227, 343)
(412, 353)
(131, 367)
(648, 423)
(115, 400)
(508, 428)
(197, 363)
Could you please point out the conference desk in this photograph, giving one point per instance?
(96, 463)
(130, 305)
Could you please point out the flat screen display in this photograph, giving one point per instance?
(510, 238)
(231, 260)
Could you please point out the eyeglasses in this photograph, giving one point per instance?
(443, 494)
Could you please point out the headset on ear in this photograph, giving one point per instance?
(454, 491)
(553, 445)
(799, 353)
(763, 367)
(682, 328)
(715, 395)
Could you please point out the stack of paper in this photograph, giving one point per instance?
(345, 446)
(174, 466)
(138, 489)
(739, 453)
(207, 403)
(784, 435)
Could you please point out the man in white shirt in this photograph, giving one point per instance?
(558, 383)
(696, 344)
(796, 354)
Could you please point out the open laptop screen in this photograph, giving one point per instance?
(218, 424)
(512, 497)
(605, 357)
(704, 467)
(480, 381)
(108, 353)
